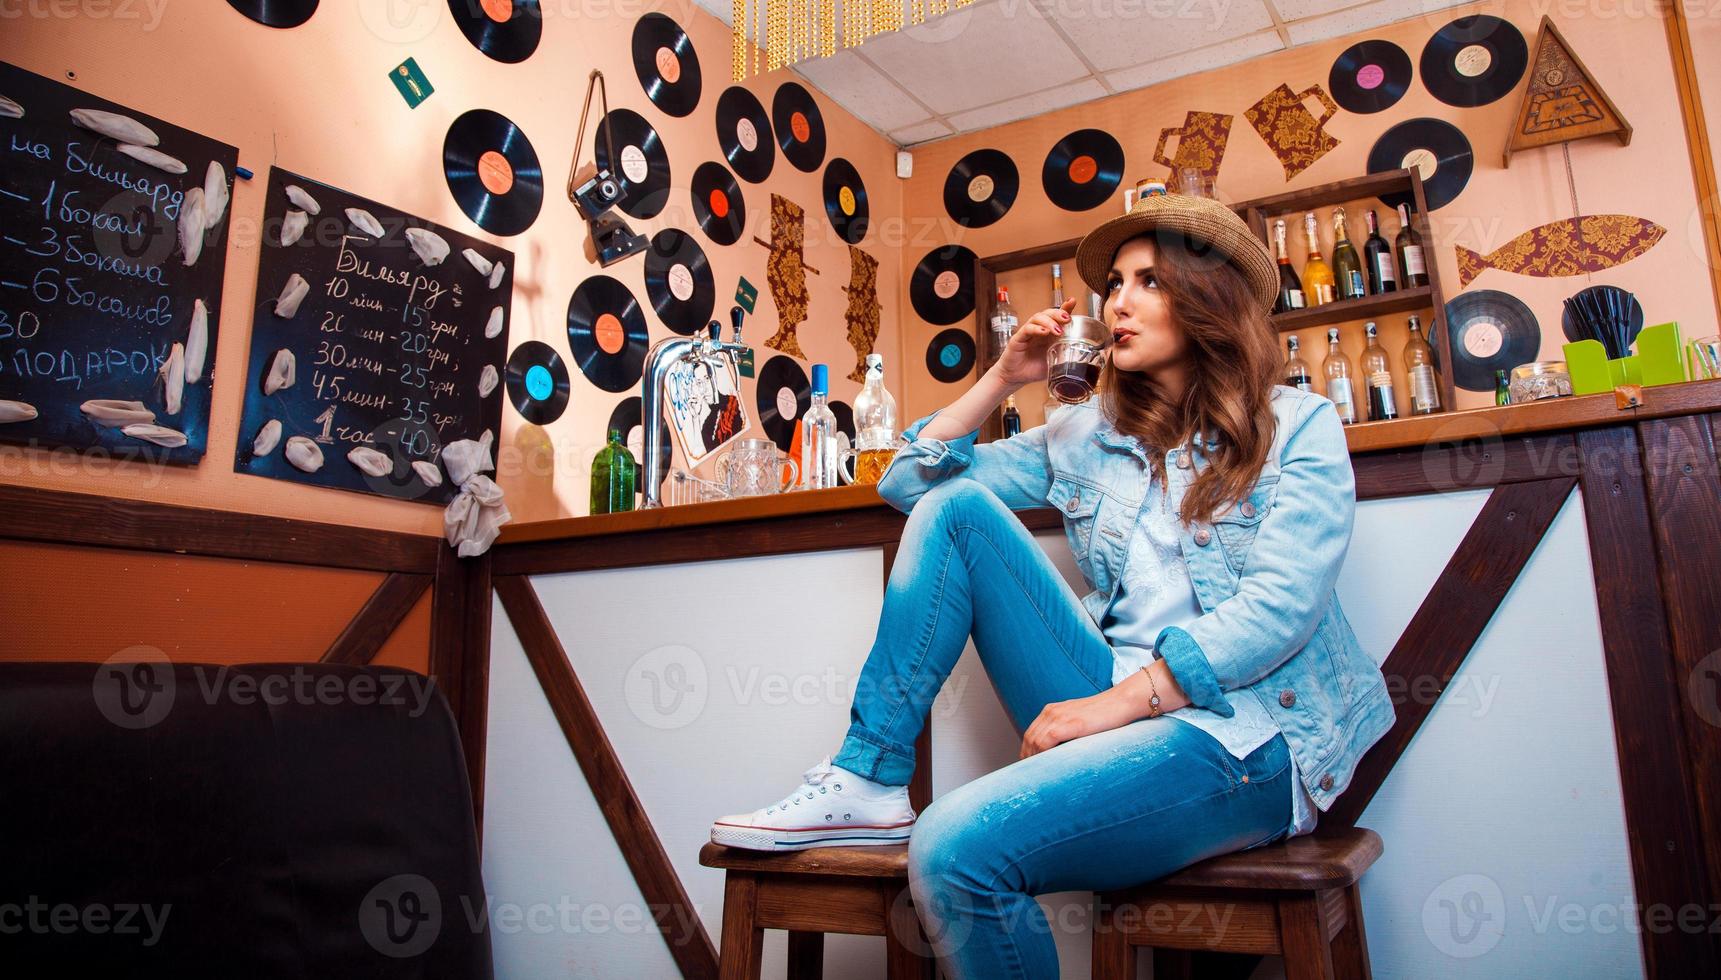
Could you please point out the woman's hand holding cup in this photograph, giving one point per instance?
(1024, 360)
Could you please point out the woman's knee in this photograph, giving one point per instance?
(956, 503)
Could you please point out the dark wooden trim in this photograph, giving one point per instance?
(1469, 465)
(1656, 774)
(1684, 496)
(376, 620)
(631, 826)
(58, 517)
(1450, 620)
(1369, 307)
(460, 656)
(738, 539)
(1704, 174)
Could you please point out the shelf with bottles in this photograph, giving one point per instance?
(1372, 371)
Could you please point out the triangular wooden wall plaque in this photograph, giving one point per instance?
(1563, 101)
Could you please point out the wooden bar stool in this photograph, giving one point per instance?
(860, 891)
(1297, 899)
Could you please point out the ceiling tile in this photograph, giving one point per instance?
(930, 130)
(1061, 97)
(1290, 10)
(1138, 32)
(992, 50)
(717, 8)
(1195, 62)
(862, 90)
(1364, 18)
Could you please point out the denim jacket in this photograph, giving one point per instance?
(1263, 570)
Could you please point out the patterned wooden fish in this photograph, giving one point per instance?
(1587, 243)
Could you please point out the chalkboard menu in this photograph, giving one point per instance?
(97, 295)
(374, 331)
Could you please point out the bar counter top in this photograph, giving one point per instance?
(1547, 415)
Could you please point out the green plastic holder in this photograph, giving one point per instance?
(1659, 361)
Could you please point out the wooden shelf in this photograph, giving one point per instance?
(1420, 298)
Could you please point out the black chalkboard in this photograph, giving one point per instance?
(94, 290)
(388, 351)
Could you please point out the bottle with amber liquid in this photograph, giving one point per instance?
(612, 477)
(1419, 367)
(1317, 275)
(1377, 376)
(1347, 266)
(1297, 373)
(1337, 368)
(1290, 287)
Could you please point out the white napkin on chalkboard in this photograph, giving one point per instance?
(474, 519)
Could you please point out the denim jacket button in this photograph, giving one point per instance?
(1075, 501)
(1327, 781)
(1183, 461)
(1287, 698)
(1202, 537)
(1248, 509)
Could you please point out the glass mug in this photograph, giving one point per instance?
(866, 464)
(755, 468)
(1074, 359)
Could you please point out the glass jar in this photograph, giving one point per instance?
(1540, 379)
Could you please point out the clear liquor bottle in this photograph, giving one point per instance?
(1377, 373)
(818, 436)
(1297, 373)
(1419, 367)
(1057, 285)
(1003, 322)
(1337, 368)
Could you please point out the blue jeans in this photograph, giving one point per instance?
(1113, 809)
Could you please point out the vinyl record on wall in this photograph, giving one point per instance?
(799, 125)
(942, 286)
(744, 133)
(276, 13)
(1474, 61)
(678, 281)
(950, 355)
(845, 419)
(1491, 331)
(625, 418)
(666, 64)
(507, 30)
(537, 382)
(1434, 147)
(1370, 76)
(644, 165)
(607, 333)
(845, 201)
(981, 187)
(717, 204)
(493, 172)
(782, 394)
(1083, 169)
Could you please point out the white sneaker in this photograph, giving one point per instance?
(832, 807)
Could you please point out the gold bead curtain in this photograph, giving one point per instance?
(788, 31)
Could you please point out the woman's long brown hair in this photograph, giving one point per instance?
(1234, 355)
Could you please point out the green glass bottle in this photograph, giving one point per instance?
(612, 477)
(1502, 388)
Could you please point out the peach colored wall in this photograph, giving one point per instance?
(315, 100)
(1624, 45)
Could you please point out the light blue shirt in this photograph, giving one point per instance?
(1155, 593)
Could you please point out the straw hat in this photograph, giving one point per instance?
(1201, 218)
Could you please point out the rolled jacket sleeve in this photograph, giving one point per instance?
(1016, 469)
(1288, 582)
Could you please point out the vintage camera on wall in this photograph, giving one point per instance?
(597, 192)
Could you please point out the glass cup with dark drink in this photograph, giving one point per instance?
(1074, 359)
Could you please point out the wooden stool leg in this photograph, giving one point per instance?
(1350, 946)
(806, 955)
(743, 948)
(1114, 957)
(1303, 935)
(904, 940)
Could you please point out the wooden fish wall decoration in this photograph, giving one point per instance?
(1587, 243)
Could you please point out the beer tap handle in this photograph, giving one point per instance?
(736, 313)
